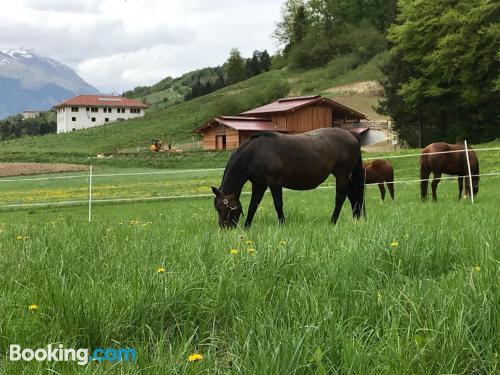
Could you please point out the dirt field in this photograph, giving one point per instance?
(27, 169)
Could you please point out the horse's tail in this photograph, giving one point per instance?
(424, 174)
(357, 188)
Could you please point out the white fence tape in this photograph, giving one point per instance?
(193, 196)
(91, 176)
(83, 175)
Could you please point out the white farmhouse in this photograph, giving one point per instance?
(87, 111)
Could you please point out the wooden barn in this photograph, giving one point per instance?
(287, 115)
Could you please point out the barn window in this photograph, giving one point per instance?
(88, 109)
(93, 119)
(73, 118)
(94, 109)
(106, 119)
(74, 109)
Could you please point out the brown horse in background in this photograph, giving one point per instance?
(452, 163)
(380, 171)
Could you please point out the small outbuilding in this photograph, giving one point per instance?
(228, 132)
(288, 115)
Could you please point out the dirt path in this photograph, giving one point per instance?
(27, 169)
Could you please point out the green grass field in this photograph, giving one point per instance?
(306, 297)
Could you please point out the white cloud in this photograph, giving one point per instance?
(119, 44)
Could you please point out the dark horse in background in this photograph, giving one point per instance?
(380, 172)
(452, 162)
(298, 162)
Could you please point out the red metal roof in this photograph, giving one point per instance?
(292, 104)
(101, 101)
(243, 123)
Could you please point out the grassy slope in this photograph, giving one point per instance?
(175, 122)
(333, 300)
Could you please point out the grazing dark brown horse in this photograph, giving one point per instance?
(452, 163)
(380, 171)
(297, 162)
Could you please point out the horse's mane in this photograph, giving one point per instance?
(240, 153)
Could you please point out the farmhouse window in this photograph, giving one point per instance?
(73, 118)
(94, 109)
(88, 109)
(106, 119)
(93, 119)
(74, 109)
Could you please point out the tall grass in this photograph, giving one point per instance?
(312, 298)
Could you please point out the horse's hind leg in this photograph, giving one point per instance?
(435, 183)
(342, 184)
(460, 186)
(257, 194)
(277, 193)
(390, 187)
(382, 190)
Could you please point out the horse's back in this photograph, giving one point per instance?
(305, 160)
(440, 157)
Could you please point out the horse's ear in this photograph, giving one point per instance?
(216, 191)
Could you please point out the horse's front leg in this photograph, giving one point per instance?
(277, 192)
(460, 186)
(342, 184)
(257, 194)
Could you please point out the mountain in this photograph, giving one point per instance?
(30, 81)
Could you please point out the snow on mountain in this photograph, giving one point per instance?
(29, 80)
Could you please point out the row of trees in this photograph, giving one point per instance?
(15, 127)
(443, 74)
(235, 69)
(313, 32)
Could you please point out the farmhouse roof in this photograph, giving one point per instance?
(243, 123)
(294, 103)
(101, 101)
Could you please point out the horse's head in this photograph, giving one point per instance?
(228, 207)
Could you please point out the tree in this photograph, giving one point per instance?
(265, 61)
(442, 71)
(235, 67)
(293, 26)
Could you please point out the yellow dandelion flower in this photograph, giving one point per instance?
(251, 251)
(160, 270)
(134, 222)
(394, 244)
(195, 357)
(477, 268)
(248, 242)
(282, 242)
(233, 251)
(33, 307)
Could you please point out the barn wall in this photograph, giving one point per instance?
(209, 137)
(232, 139)
(310, 118)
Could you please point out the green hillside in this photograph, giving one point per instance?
(177, 122)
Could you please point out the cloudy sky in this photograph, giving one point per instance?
(116, 45)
